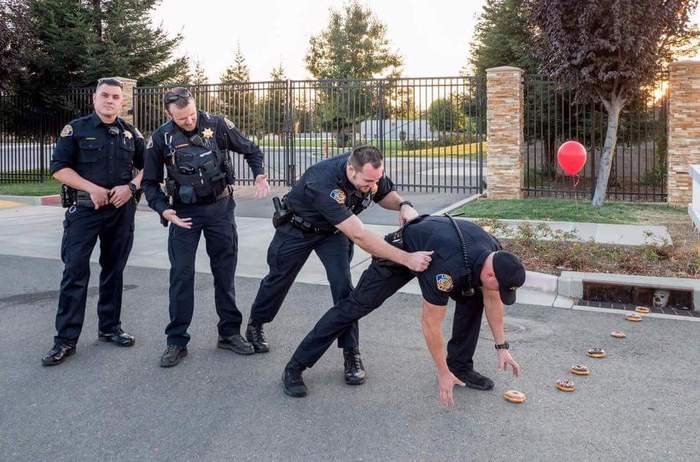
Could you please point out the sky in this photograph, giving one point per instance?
(432, 35)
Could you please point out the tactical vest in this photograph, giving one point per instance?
(197, 169)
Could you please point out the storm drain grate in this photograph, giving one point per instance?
(621, 297)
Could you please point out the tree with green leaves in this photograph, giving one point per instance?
(271, 108)
(608, 50)
(353, 46)
(75, 42)
(503, 36)
(199, 75)
(14, 41)
(237, 99)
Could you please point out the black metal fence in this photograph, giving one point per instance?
(639, 166)
(28, 131)
(431, 130)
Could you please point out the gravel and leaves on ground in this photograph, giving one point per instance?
(551, 251)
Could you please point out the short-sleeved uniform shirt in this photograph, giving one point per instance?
(212, 129)
(104, 154)
(325, 197)
(447, 267)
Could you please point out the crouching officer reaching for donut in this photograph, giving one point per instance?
(95, 159)
(468, 266)
(320, 214)
(193, 147)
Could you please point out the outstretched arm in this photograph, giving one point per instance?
(431, 323)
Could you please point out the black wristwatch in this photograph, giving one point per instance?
(502, 346)
(405, 203)
(133, 189)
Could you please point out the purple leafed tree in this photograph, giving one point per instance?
(607, 50)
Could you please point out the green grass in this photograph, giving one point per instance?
(564, 210)
(48, 187)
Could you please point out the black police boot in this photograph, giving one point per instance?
(118, 337)
(235, 343)
(473, 379)
(355, 373)
(172, 356)
(256, 336)
(57, 354)
(293, 383)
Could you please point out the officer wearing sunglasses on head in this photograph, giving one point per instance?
(320, 214)
(193, 147)
(468, 266)
(97, 159)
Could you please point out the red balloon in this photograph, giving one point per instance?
(571, 157)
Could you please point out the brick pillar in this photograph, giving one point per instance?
(128, 90)
(683, 129)
(505, 119)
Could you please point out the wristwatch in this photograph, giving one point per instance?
(405, 203)
(133, 189)
(502, 346)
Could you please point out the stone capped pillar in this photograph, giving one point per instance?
(505, 123)
(683, 129)
(128, 90)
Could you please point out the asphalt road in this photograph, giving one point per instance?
(105, 403)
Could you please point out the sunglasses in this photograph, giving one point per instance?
(172, 96)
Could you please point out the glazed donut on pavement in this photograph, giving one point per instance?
(565, 385)
(596, 353)
(514, 396)
(642, 309)
(580, 369)
(634, 317)
(618, 334)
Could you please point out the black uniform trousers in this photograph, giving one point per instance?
(218, 224)
(81, 228)
(286, 256)
(380, 281)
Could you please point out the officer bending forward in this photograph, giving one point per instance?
(468, 265)
(321, 216)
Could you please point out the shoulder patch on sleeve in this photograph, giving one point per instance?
(149, 142)
(229, 124)
(444, 282)
(67, 131)
(338, 195)
(136, 132)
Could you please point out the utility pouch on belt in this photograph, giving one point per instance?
(282, 213)
(74, 197)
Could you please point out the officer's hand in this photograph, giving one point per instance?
(172, 217)
(419, 261)
(446, 383)
(120, 195)
(406, 214)
(99, 196)
(504, 359)
(262, 187)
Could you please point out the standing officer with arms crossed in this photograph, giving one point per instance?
(320, 214)
(95, 158)
(468, 266)
(193, 147)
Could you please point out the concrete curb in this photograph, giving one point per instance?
(33, 200)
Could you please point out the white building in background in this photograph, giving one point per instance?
(392, 129)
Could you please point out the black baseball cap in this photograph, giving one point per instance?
(510, 274)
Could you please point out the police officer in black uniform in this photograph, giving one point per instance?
(319, 214)
(468, 265)
(193, 147)
(95, 159)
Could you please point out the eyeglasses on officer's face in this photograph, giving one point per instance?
(172, 96)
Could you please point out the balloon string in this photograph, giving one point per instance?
(575, 179)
